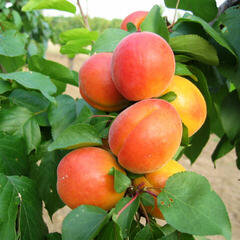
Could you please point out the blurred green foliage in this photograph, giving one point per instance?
(61, 24)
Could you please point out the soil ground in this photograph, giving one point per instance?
(224, 179)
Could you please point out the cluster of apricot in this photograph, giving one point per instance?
(146, 134)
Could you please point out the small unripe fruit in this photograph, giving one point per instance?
(143, 66)
(146, 135)
(190, 103)
(96, 85)
(156, 181)
(136, 18)
(82, 178)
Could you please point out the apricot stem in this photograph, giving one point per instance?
(128, 204)
(151, 193)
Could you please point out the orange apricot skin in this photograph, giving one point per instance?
(136, 18)
(156, 181)
(190, 103)
(96, 85)
(143, 66)
(82, 178)
(145, 135)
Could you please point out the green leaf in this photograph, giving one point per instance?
(76, 46)
(12, 43)
(33, 101)
(230, 19)
(33, 80)
(185, 138)
(182, 58)
(135, 228)
(145, 234)
(133, 175)
(84, 223)
(198, 141)
(230, 115)
(155, 23)
(125, 218)
(77, 34)
(52, 69)
(61, 5)
(224, 146)
(237, 150)
(213, 33)
(13, 155)
(75, 136)
(208, 13)
(54, 236)
(4, 86)
(170, 96)
(61, 114)
(108, 41)
(110, 231)
(121, 181)
(20, 121)
(147, 199)
(190, 205)
(182, 70)
(196, 47)
(131, 27)
(21, 209)
(45, 175)
(11, 64)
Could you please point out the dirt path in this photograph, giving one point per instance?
(224, 179)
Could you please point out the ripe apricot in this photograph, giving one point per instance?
(82, 178)
(136, 18)
(96, 85)
(143, 66)
(145, 135)
(190, 104)
(156, 181)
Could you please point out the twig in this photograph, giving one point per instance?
(224, 6)
(145, 212)
(151, 193)
(175, 14)
(84, 17)
(3, 69)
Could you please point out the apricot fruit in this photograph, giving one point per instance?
(145, 135)
(143, 66)
(156, 181)
(136, 18)
(82, 178)
(190, 103)
(96, 85)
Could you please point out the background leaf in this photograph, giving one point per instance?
(33, 80)
(207, 14)
(13, 155)
(155, 23)
(75, 136)
(196, 47)
(108, 40)
(61, 114)
(12, 43)
(52, 69)
(61, 5)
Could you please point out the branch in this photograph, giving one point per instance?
(84, 17)
(224, 6)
